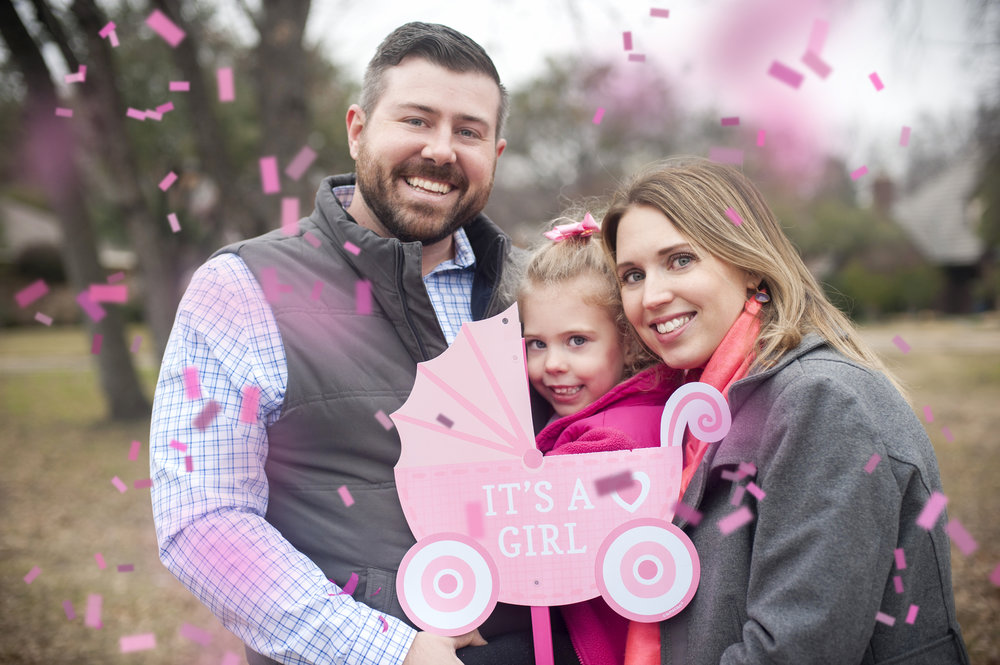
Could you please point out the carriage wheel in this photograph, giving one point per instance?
(647, 570)
(448, 584)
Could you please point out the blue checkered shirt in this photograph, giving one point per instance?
(210, 519)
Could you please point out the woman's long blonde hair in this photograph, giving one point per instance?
(695, 195)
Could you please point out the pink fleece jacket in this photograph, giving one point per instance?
(626, 417)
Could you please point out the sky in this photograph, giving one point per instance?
(718, 53)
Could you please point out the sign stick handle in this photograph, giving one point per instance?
(541, 630)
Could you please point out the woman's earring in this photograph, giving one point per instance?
(762, 297)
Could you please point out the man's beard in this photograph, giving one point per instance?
(412, 221)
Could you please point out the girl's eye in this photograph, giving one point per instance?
(631, 277)
(535, 344)
(577, 340)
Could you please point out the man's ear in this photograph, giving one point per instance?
(501, 144)
(355, 123)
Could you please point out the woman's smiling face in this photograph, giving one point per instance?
(681, 300)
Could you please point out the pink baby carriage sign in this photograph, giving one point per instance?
(497, 522)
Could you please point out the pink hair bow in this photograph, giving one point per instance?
(581, 229)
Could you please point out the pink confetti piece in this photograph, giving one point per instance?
(195, 634)
(474, 519)
(748, 469)
(143, 484)
(761, 136)
(757, 492)
(738, 492)
(961, 537)
(932, 510)
(627, 40)
(114, 293)
(165, 108)
(31, 293)
(735, 520)
(249, 405)
(817, 37)
(816, 64)
(904, 136)
(32, 574)
(385, 624)
(785, 74)
(691, 515)
(68, 609)
(928, 414)
(598, 115)
(345, 495)
(271, 285)
(139, 642)
(167, 181)
(636, 57)
(290, 215)
(63, 112)
(207, 415)
(316, 290)
(872, 463)
(133, 451)
(117, 277)
(876, 81)
(126, 568)
(352, 248)
(726, 155)
(995, 576)
(947, 434)
(445, 420)
(377, 592)
(92, 617)
(165, 28)
(659, 13)
(231, 658)
(901, 344)
(732, 121)
(858, 172)
(180, 86)
(900, 556)
(107, 30)
(189, 464)
(731, 476)
(177, 445)
(99, 558)
(227, 89)
(96, 343)
(351, 586)
(43, 319)
(734, 216)
(117, 482)
(300, 163)
(79, 77)
(897, 582)
(192, 388)
(90, 308)
(911, 614)
(136, 344)
(153, 115)
(363, 296)
(175, 225)
(135, 114)
(311, 239)
(882, 617)
(613, 483)
(270, 182)
(385, 420)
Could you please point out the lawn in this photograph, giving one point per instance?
(60, 508)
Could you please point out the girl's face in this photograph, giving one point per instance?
(681, 301)
(575, 352)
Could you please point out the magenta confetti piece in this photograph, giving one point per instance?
(165, 108)
(385, 624)
(613, 483)
(377, 592)
(995, 576)
(816, 64)
(947, 434)
(858, 172)
(961, 537)
(757, 492)
(207, 415)
(136, 344)
(817, 37)
(748, 469)
(872, 462)
(126, 568)
(192, 389)
(195, 634)
(474, 519)
(761, 136)
(316, 290)
(32, 574)
(90, 308)
(900, 556)
(153, 115)
(117, 277)
(876, 81)
(249, 405)
(117, 482)
(300, 163)
(734, 216)
(64, 112)
(932, 510)
(231, 658)
(901, 344)
(445, 420)
(142, 484)
(68, 609)
(904, 136)
(113, 293)
(140, 642)
(352, 248)
(598, 115)
(733, 121)
(43, 319)
(270, 182)
(385, 420)
(731, 476)
(311, 239)
(99, 558)
(685, 512)
(659, 13)
(92, 617)
(785, 74)
(289, 215)
(31, 293)
(189, 464)
(897, 582)
(135, 114)
(345, 495)
(351, 586)
(735, 520)
(363, 296)
(627, 40)
(737, 498)
(224, 81)
(165, 28)
(177, 445)
(882, 617)
(180, 86)
(133, 451)
(175, 225)
(911, 614)
(636, 57)
(107, 30)
(168, 180)
(725, 155)
(928, 414)
(96, 343)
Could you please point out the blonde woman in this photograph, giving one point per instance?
(805, 515)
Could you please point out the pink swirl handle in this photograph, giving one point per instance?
(698, 406)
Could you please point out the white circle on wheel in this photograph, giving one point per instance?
(447, 584)
(647, 570)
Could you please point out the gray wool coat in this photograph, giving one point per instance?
(802, 583)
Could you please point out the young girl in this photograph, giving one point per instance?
(584, 360)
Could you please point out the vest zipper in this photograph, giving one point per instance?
(400, 261)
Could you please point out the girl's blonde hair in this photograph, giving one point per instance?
(698, 196)
(555, 263)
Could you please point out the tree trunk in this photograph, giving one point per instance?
(49, 146)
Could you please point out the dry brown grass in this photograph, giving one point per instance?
(57, 457)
